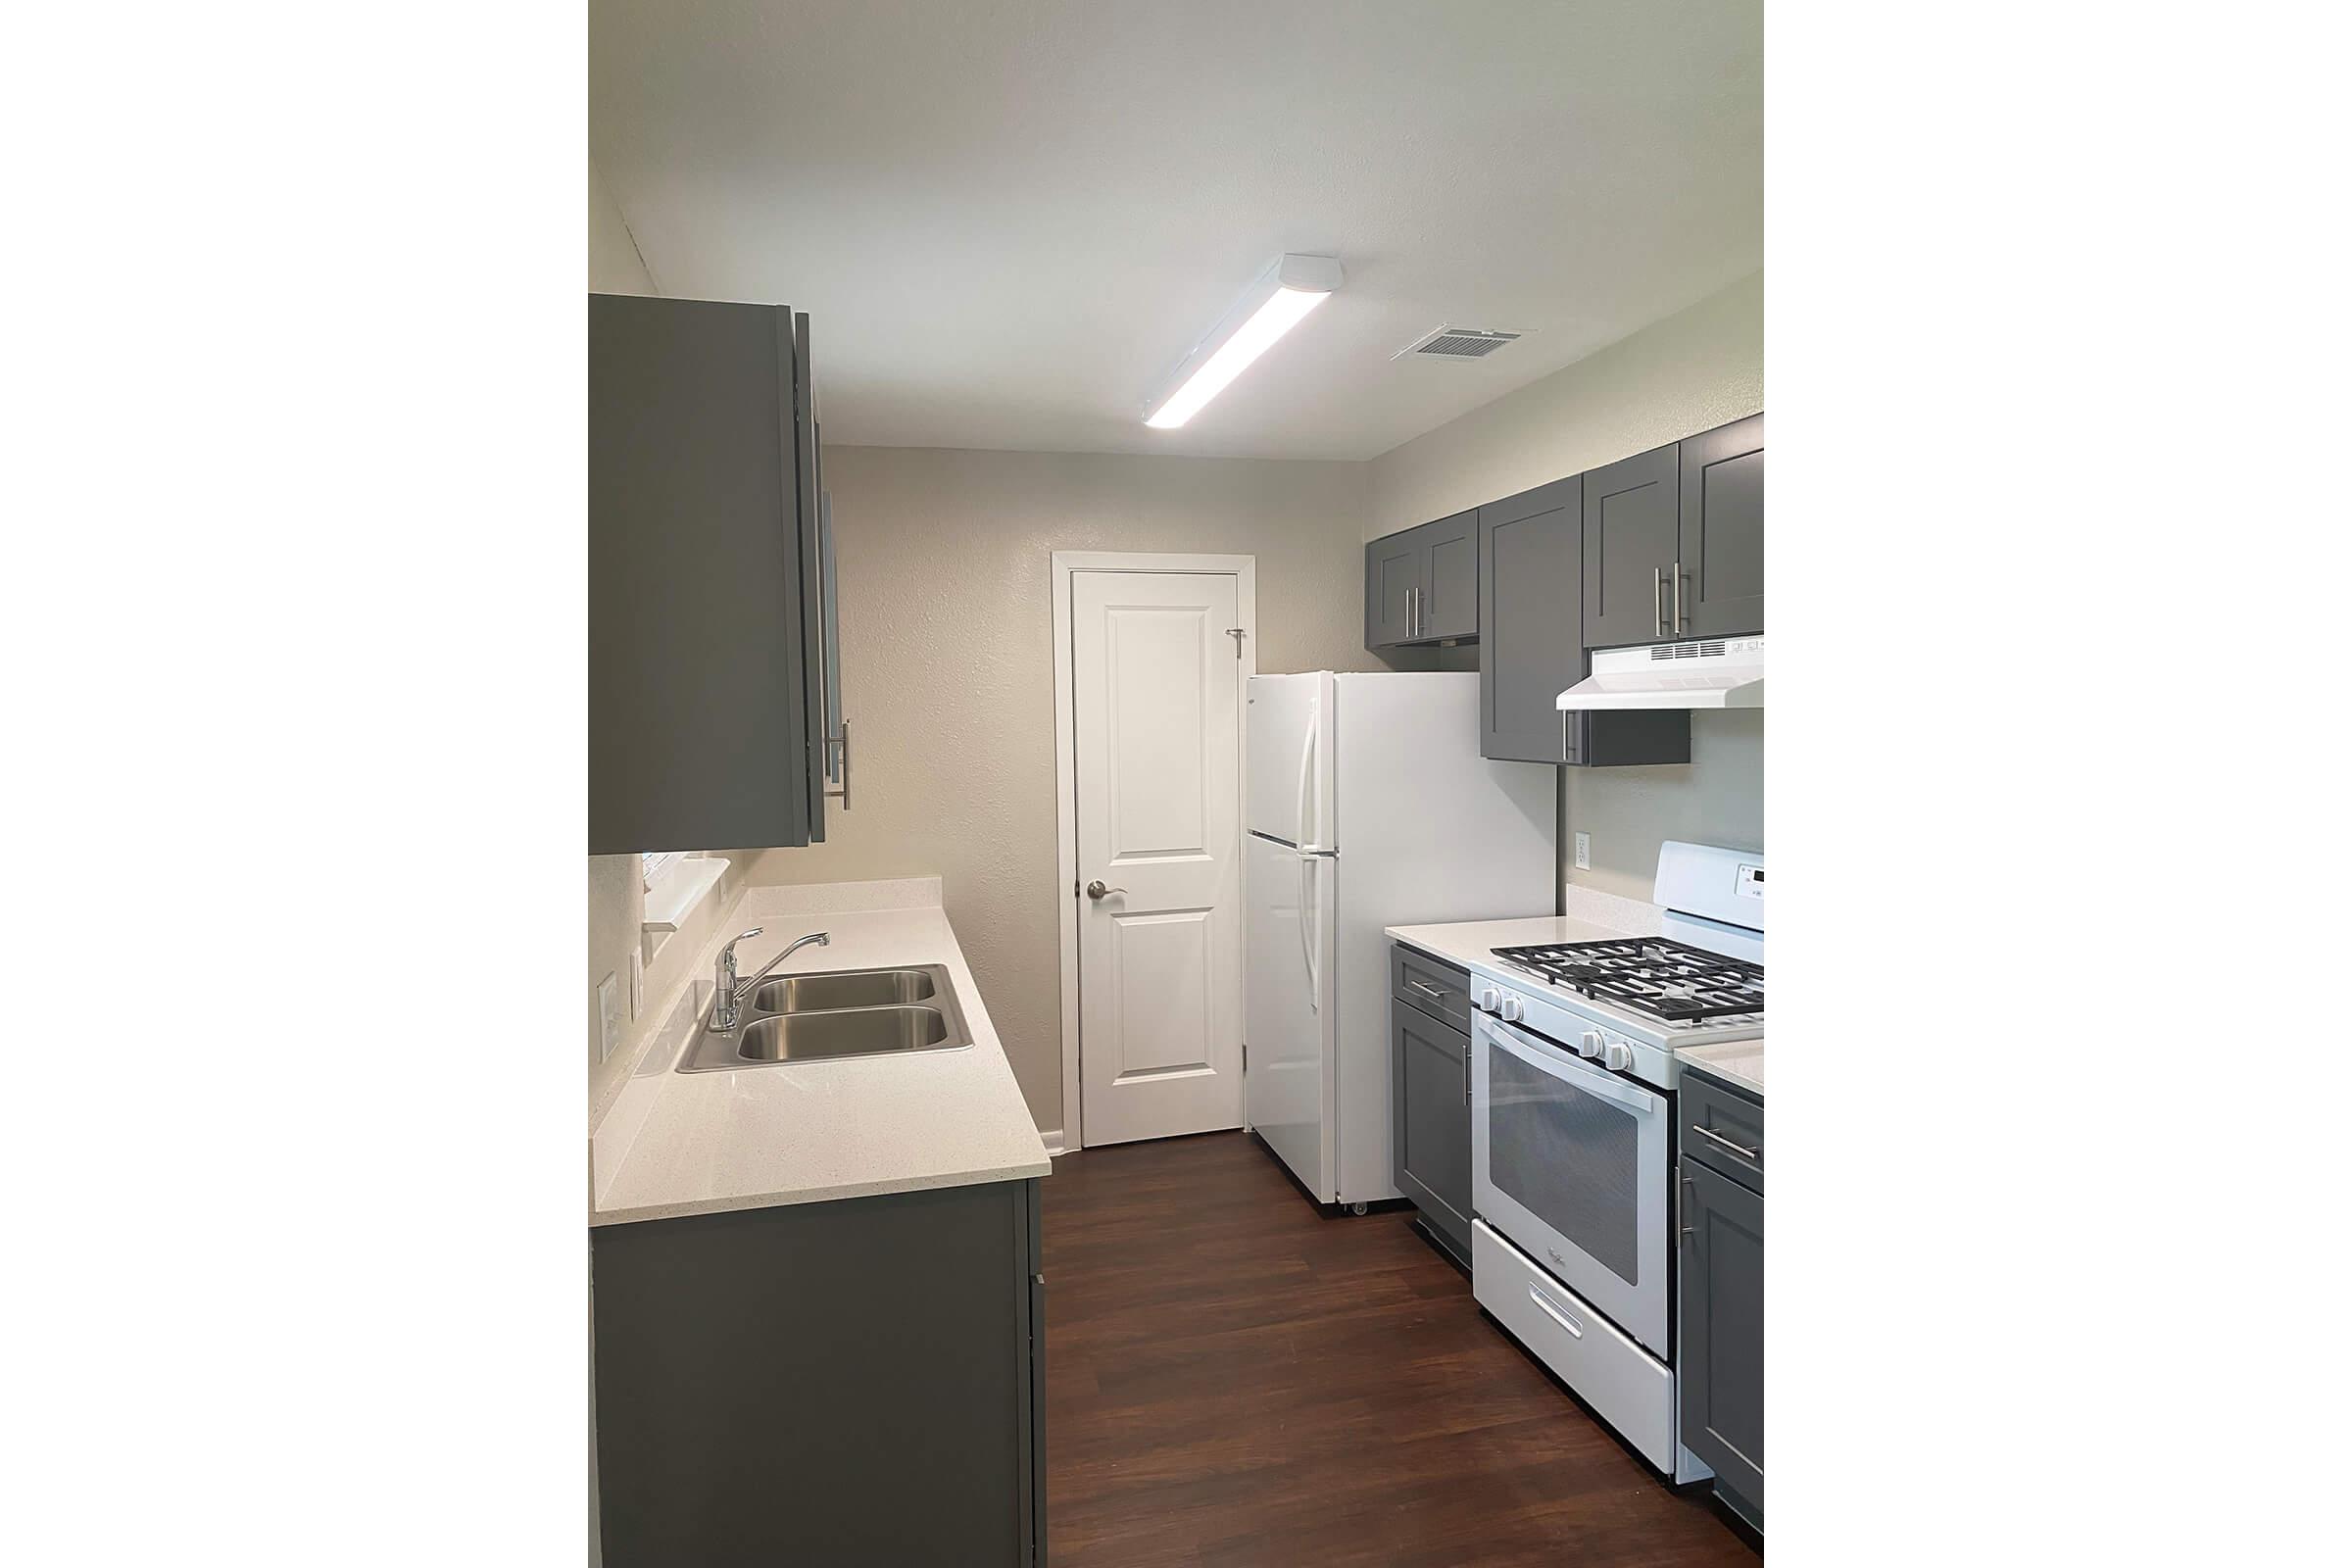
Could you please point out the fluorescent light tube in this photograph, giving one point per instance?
(1278, 301)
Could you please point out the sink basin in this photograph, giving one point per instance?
(847, 988)
(829, 1014)
(853, 1032)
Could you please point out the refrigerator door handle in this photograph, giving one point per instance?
(1307, 941)
(1307, 762)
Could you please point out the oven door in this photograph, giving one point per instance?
(1569, 1161)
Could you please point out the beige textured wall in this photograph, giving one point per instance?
(947, 669)
(1698, 368)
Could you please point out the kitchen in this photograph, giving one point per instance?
(857, 1046)
(1151, 618)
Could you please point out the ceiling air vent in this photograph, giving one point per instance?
(1458, 343)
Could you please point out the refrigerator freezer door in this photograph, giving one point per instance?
(1288, 758)
(1287, 1014)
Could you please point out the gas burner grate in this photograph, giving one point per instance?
(1666, 979)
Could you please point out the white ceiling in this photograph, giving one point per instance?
(1010, 220)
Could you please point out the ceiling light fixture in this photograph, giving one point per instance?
(1277, 302)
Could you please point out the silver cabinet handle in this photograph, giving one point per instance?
(1680, 621)
(1434, 993)
(1682, 1194)
(1412, 612)
(842, 794)
(1095, 890)
(1741, 1149)
(1536, 1295)
(1658, 598)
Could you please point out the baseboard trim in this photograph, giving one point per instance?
(1053, 1143)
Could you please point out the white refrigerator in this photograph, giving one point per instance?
(1367, 806)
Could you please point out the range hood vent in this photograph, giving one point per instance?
(1710, 673)
(1458, 343)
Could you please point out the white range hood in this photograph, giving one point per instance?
(1707, 672)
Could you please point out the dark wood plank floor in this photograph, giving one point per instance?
(1233, 1378)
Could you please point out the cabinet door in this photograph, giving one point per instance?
(813, 607)
(1720, 566)
(1430, 1118)
(1530, 644)
(1448, 604)
(1721, 1380)
(1630, 541)
(1393, 571)
(698, 697)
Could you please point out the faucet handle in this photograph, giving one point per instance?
(741, 935)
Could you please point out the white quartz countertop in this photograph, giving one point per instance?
(1473, 942)
(806, 1132)
(1734, 1061)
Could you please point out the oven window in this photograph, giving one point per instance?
(1571, 1160)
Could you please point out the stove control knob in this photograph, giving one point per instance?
(1620, 1056)
(1490, 1000)
(1513, 1009)
(1589, 1043)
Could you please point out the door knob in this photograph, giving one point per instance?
(1096, 889)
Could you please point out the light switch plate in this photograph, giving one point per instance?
(607, 1016)
(1584, 852)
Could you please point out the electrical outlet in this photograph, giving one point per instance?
(607, 1016)
(636, 983)
(1584, 852)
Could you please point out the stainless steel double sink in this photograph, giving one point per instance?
(836, 1013)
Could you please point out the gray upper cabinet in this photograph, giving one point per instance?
(704, 695)
(1530, 624)
(1421, 585)
(1449, 592)
(1719, 569)
(1392, 590)
(1531, 645)
(1631, 522)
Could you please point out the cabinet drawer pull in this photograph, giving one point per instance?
(1741, 1149)
(1434, 993)
(1535, 1294)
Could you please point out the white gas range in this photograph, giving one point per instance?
(1573, 1132)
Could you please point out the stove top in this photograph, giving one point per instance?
(1654, 977)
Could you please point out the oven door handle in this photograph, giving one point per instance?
(1597, 1081)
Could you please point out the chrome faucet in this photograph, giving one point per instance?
(726, 1006)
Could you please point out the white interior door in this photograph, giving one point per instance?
(1155, 688)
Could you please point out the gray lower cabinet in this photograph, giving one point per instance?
(706, 681)
(1719, 554)
(1631, 521)
(1720, 1378)
(1429, 1100)
(1421, 585)
(1532, 643)
(847, 1383)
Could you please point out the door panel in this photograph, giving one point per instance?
(1722, 1381)
(1631, 518)
(1722, 531)
(1448, 604)
(1288, 786)
(1530, 644)
(1393, 569)
(1156, 692)
(1290, 1031)
(1432, 1118)
(695, 591)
